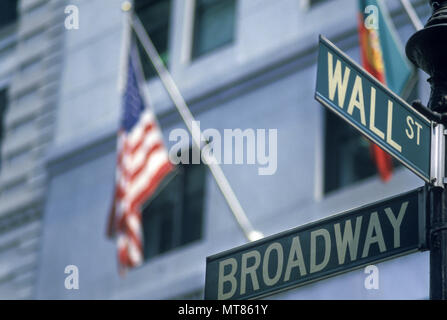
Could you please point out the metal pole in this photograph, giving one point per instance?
(438, 244)
(417, 23)
(426, 49)
(438, 214)
(244, 223)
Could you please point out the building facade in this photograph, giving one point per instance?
(30, 72)
(240, 64)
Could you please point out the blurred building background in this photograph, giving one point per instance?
(239, 64)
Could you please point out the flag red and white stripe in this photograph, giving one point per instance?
(142, 164)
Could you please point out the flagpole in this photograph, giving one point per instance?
(124, 51)
(417, 23)
(168, 82)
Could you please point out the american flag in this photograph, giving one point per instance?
(142, 164)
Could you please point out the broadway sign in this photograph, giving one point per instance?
(321, 249)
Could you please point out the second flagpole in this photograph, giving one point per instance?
(239, 214)
(417, 23)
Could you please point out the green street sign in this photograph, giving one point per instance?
(318, 250)
(353, 94)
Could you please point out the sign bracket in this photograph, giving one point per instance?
(437, 167)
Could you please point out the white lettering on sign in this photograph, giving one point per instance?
(335, 81)
(411, 131)
(338, 83)
(245, 270)
(295, 259)
(373, 235)
(389, 128)
(314, 266)
(347, 240)
(229, 277)
(396, 222)
(372, 115)
(357, 100)
(266, 268)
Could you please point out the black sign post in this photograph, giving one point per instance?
(427, 49)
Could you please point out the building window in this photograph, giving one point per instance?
(175, 216)
(8, 12)
(347, 157)
(308, 4)
(313, 3)
(3, 106)
(155, 17)
(214, 25)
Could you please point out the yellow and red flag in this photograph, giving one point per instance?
(383, 56)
